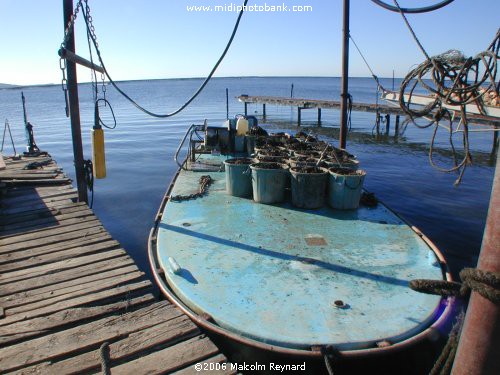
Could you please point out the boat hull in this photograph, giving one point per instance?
(304, 257)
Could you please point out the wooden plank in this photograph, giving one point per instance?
(43, 213)
(49, 181)
(47, 232)
(83, 337)
(94, 227)
(45, 220)
(65, 245)
(67, 275)
(37, 303)
(53, 290)
(36, 206)
(34, 272)
(108, 294)
(21, 175)
(218, 359)
(29, 200)
(37, 326)
(59, 255)
(170, 359)
(41, 230)
(167, 333)
(41, 191)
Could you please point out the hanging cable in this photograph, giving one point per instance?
(379, 85)
(90, 28)
(411, 30)
(425, 9)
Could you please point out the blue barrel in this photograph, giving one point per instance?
(345, 187)
(269, 182)
(238, 177)
(308, 186)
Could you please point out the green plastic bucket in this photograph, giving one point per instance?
(238, 178)
(269, 182)
(345, 187)
(308, 187)
(250, 141)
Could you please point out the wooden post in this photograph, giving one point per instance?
(246, 108)
(319, 116)
(377, 123)
(299, 115)
(495, 142)
(345, 77)
(74, 107)
(387, 123)
(396, 126)
(264, 110)
(291, 91)
(477, 351)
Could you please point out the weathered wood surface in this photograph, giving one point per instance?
(66, 287)
(333, 104)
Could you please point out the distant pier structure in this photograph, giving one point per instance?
(319, 104)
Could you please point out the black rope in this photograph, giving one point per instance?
(88, 172)
(98, 115)
(197, 92)
(349, 112)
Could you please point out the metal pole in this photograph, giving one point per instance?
(227, 104)
(345, 77)
(477, 351)
(74, 106)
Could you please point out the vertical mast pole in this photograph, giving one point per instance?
(479, 343)
(345, 76)
(74, 107)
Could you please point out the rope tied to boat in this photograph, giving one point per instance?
(330, 355)
(486, 283)
(104, 357)
(205, 182)
(445, 360)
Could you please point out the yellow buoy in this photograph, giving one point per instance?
(98, 156)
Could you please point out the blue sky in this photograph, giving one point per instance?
(147, 39)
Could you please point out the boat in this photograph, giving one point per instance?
(288, 280)
(490, 107)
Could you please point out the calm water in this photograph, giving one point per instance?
(139, 153)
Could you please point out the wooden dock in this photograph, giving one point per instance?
(318, 104)
(71, 299)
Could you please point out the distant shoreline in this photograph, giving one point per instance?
(6, 86)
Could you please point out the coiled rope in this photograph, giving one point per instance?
(457, 81)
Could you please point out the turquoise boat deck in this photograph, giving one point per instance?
(295, 278)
